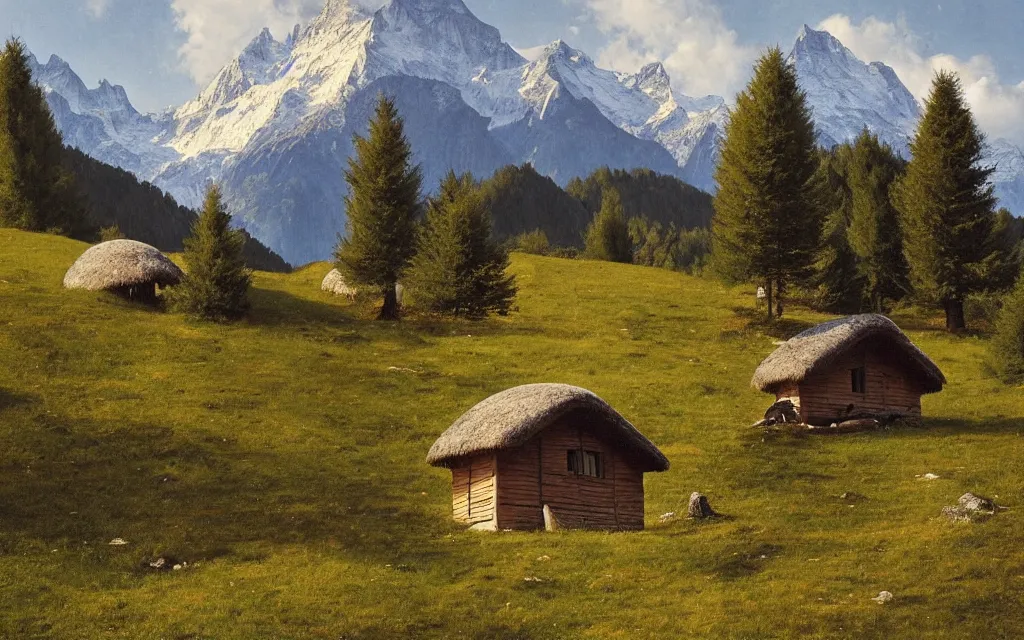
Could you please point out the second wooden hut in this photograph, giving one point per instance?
(547, 445)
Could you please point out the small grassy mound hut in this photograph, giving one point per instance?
(857, 367)
(547, 448)
(335, 283)
(130, 269)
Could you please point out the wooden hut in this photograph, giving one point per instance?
(857, 367)
(546, 446)
(127, 268)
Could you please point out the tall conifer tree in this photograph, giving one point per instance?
(767, 225)
(35, 192)
(874, 232)
(458, 268)
(946, 203)
(608, 235)
(1008, 342)
(382, 206)
(216, 283)
(840, 286)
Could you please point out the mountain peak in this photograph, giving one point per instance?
(56, 62)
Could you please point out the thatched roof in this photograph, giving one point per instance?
(511, 418)
(815, 349)
(121, 263)
(335, 283)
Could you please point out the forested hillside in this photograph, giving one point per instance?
(143, 212)
(647, 194)
(521, 200)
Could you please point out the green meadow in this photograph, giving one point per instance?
(280, 461)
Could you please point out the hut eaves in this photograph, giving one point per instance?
(511, 418)
(814, 349)
(121, 263)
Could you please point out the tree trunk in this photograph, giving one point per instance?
(769, 292)
(955, 316)
(778, 299)
(390, 309)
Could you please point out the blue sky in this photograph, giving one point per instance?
(163, 50)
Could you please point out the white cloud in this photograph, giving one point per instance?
(690, 37)
(218, 30)
(97, 8)
(998, 107)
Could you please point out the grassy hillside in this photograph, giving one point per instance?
(283, 459)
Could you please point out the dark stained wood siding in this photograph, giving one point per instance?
(828, 396)
(537, 474)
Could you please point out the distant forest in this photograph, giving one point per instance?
(143, 212)
(521, 201)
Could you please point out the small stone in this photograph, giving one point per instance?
(969, 508)
(929, 476)
(177, 567)
(665, 517)
(883, 597)
(117, 542)
(158, 563)
(699, 507)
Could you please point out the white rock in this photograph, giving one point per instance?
(883, 597)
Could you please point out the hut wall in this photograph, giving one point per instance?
(828, 396)
(473, 486)
(537, 474)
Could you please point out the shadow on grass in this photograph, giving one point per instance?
(932, 427)
(11, 400)
(195, 495)
(780, 328)
(279, 309)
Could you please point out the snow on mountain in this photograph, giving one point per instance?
(275, 125)
(846, 94)
(101, 121)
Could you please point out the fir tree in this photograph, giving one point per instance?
(216, 283)
(1008, 342)
(458, 268)
(608, 235)
(839, 283)
(382, 207)
(874, 231)
(35, 192)
(766, 223)
(946, 203)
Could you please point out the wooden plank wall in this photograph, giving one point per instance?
(537, 474)
(473, 490)
(826, 397)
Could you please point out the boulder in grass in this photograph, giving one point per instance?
(130, 269)
(970, 508)
(699, 507)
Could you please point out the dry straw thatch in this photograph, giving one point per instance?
(121, 263)
(335, 283)
(815, 349)
(511, 418)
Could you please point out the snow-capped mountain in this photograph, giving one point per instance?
(847, 95)
(275, 126)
